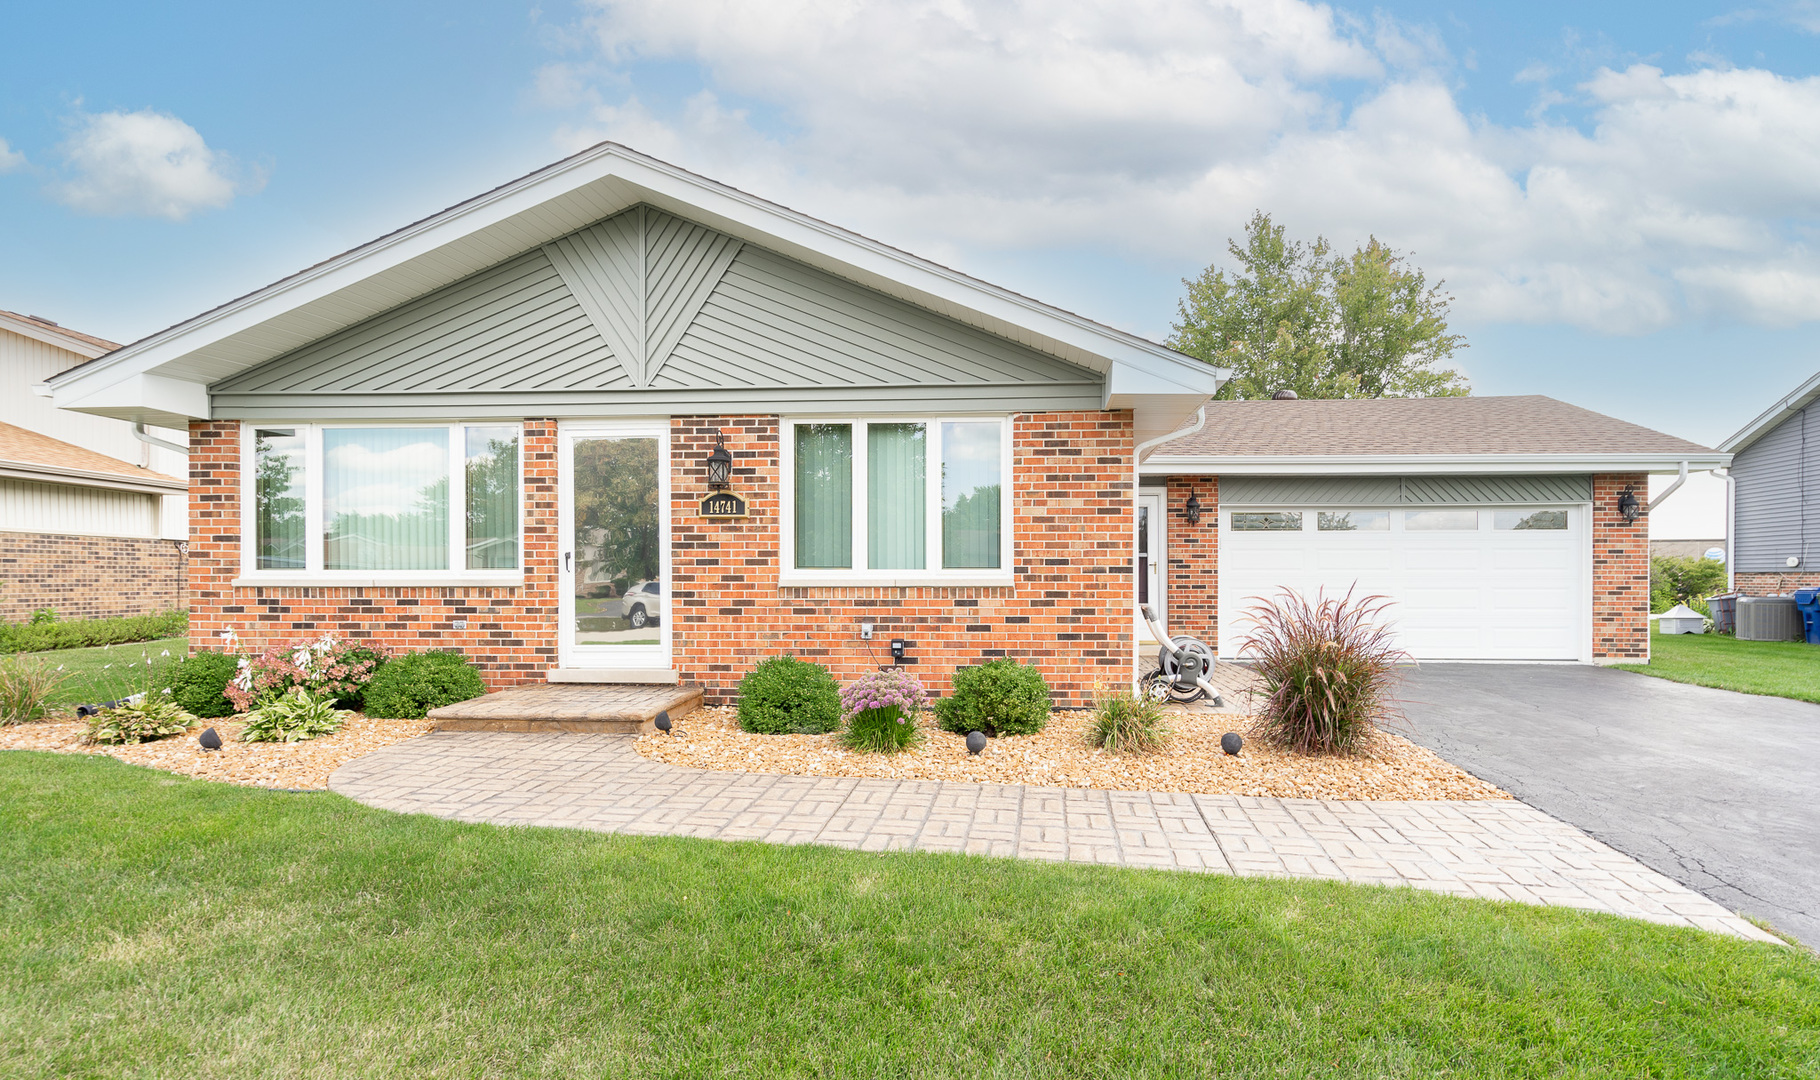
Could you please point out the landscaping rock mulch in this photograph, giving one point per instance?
(1059, 756)
(302, 765)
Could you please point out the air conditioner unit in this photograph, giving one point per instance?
(1769, 618)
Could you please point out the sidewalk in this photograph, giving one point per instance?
(1501, 850)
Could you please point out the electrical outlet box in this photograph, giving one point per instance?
(865, 631)
(458, 624)
(897, 649)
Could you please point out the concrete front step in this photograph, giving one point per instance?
(601, 709)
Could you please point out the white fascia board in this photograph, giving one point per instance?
(1085, 342)
(138, 397)
(1796, 400)
(50, 336)
(1417, 464)
(149, 484)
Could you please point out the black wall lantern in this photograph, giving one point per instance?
(1628, 507)
(720, 464)
(1191, 510)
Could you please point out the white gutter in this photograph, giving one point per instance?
(1679, 480)
(148, 438)
(1731, 544)
(1391, 464)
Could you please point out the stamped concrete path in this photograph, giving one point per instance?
(1501, 850)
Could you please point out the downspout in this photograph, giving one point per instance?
(149, 439)
(1731, 544)
(1672, 488)
(1137, 480)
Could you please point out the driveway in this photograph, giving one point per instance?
(1717, 790)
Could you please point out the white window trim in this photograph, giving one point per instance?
(313, 574)
(858, 575)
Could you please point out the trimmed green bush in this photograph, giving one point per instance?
(787, 696)
(408, 687)
(198, 683)
(44, 635)
(1000, 697)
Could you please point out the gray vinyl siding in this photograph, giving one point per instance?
(647, 314)
(1316, 491)
(1774, 519)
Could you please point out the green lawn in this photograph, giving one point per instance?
(1789, 669)
(160, 926)
(107, 672)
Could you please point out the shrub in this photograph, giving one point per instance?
(1677, 579)
(151, 717)
(44, 615)
(199, 683)
(1327, 667)
(408, 687)
(787, 696)
(328, 667)
(880, 712)
(42, 635)
(26, 684)
(296, 716)
(1001, 697)
(1127, 723)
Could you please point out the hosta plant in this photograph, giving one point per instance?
(328, 667)
(1126, 722)
(880, 711)
(296, 716)
(150, 717)
(1328, 668)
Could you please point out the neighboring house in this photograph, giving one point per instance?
(93, 520)
(1775, 514)
(486, 430)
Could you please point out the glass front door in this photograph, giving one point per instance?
(1151, 570)
(616, 542)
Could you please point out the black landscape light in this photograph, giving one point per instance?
(209, 739)
(720, 464)
(1232, 743)
(976, 741)
(663, 722)
(1191, 510)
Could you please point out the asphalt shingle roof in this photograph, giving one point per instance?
(26, 447)
(1531, 424)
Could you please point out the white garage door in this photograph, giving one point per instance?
(1466, 583)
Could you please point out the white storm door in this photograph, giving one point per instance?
(614, 562)
(1151, 567)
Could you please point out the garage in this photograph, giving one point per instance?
(1475, 568)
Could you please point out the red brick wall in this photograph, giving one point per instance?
(510, 632)
(1069, 611)
(89, 577)
(1194, 559)
(1620, 570)
(1761, 584)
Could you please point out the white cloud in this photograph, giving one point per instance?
(147, 164)
(10, 159)
(1156, 127)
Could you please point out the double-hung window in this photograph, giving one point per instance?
(382, 503)
(898, 499)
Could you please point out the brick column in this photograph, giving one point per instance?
(1193, 551)
(1620, 600)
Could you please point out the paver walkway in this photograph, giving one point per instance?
(1501, 849)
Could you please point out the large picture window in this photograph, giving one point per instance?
(405, 501)
(898, 498)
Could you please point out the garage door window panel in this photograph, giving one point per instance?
(1440, 520)
(1353, 521)
(1529, 520)
(1270, 521)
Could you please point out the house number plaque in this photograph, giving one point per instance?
(723, 504)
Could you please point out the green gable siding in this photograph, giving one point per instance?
(646, 313)
(1316, 491)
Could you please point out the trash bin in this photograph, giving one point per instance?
(1725, 613)
(1807, 602)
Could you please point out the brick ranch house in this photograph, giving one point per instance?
(498, 430)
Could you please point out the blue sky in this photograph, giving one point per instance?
(1624, 198)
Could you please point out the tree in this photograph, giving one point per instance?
(1293, 316)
